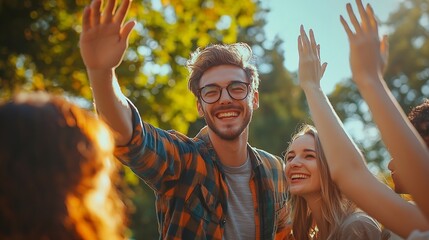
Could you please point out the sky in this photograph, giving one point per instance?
(323, 16)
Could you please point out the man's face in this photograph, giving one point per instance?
(227, 117)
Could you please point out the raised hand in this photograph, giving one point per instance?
(104, 37)
(368, 55)
(310, 68)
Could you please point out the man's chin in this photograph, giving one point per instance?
(228, 135)
(227, 132)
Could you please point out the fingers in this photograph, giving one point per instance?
(372, 19)
(299, 46)
(108, 11)
(306, 45)
(318, 51)
(92, 15)
(363, 15)
(310, 68)
(95, 13)
(314, 45)
(86, 19)
(122, 11)
(353, 18)
(369, 21)
(125, 33)
(346, 27)
(324, 65)
(304, 39)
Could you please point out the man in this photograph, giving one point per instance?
(213, 186)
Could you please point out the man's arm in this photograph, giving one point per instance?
(103, 42)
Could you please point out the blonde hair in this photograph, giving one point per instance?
(335, 207)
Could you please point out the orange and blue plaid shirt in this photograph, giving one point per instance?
(191, 192)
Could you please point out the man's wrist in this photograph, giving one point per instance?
(98, 74)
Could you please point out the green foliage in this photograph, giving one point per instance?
(407, 76)
(39, 51)
(281, 104)
(408, 71)
(38, 47)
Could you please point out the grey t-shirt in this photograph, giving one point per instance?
(361, 226)
(240, 222)
(417, 235)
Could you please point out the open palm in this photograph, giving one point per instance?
(104, 40)
(311, 69)
(368, 55)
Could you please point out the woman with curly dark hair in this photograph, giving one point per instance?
(56, 172)
(419, 118)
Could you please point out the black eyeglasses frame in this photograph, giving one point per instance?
(227, 90)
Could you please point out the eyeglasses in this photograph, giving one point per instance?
(236, 90)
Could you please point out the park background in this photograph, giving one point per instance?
(39, 51)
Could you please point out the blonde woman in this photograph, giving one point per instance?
(319, 209)
(346, 163)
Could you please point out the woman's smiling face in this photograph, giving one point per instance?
(302, 169)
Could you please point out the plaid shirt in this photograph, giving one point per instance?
(191, 192)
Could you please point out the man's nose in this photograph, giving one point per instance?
(224, 97)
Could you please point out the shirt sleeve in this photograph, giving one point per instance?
(155, 155)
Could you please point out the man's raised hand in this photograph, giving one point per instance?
(104, 37)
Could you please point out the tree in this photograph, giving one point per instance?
(282, 104)
(38, 47)
(39, 51)
(407, 76)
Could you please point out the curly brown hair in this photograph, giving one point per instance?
(56, 172)
(419, 117)
(237, 54)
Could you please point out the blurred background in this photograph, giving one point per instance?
(39, 51)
